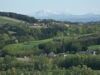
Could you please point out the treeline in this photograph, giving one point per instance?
(70, 65)
(19, 17)
(72, 71)
(75, 60)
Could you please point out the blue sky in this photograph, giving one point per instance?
(68, 6)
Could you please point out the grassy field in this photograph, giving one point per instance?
(94, 48)
(26, 47)
(7, 20)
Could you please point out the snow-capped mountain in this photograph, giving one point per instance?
(66, 17)
(49, 15)
(46, 13)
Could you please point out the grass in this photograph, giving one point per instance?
(94, 47)
(26, 47)
(4, 20)
(7, 20)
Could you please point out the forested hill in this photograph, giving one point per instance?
(19, 17)
(48, 47)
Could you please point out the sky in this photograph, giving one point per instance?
(68, 6)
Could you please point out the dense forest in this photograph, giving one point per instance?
(30, 46)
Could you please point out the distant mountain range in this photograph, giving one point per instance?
(66, 17)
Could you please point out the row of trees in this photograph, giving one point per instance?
(72, 71)
(43, 63)
(75, 60)
(71, 65)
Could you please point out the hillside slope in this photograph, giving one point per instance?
(19, 17)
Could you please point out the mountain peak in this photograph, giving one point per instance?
(47, 14)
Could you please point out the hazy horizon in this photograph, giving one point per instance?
(29, 7)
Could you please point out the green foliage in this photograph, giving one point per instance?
(42, 66)
(26, 48)
(75, 60)
(26, 45)
(94, 48)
